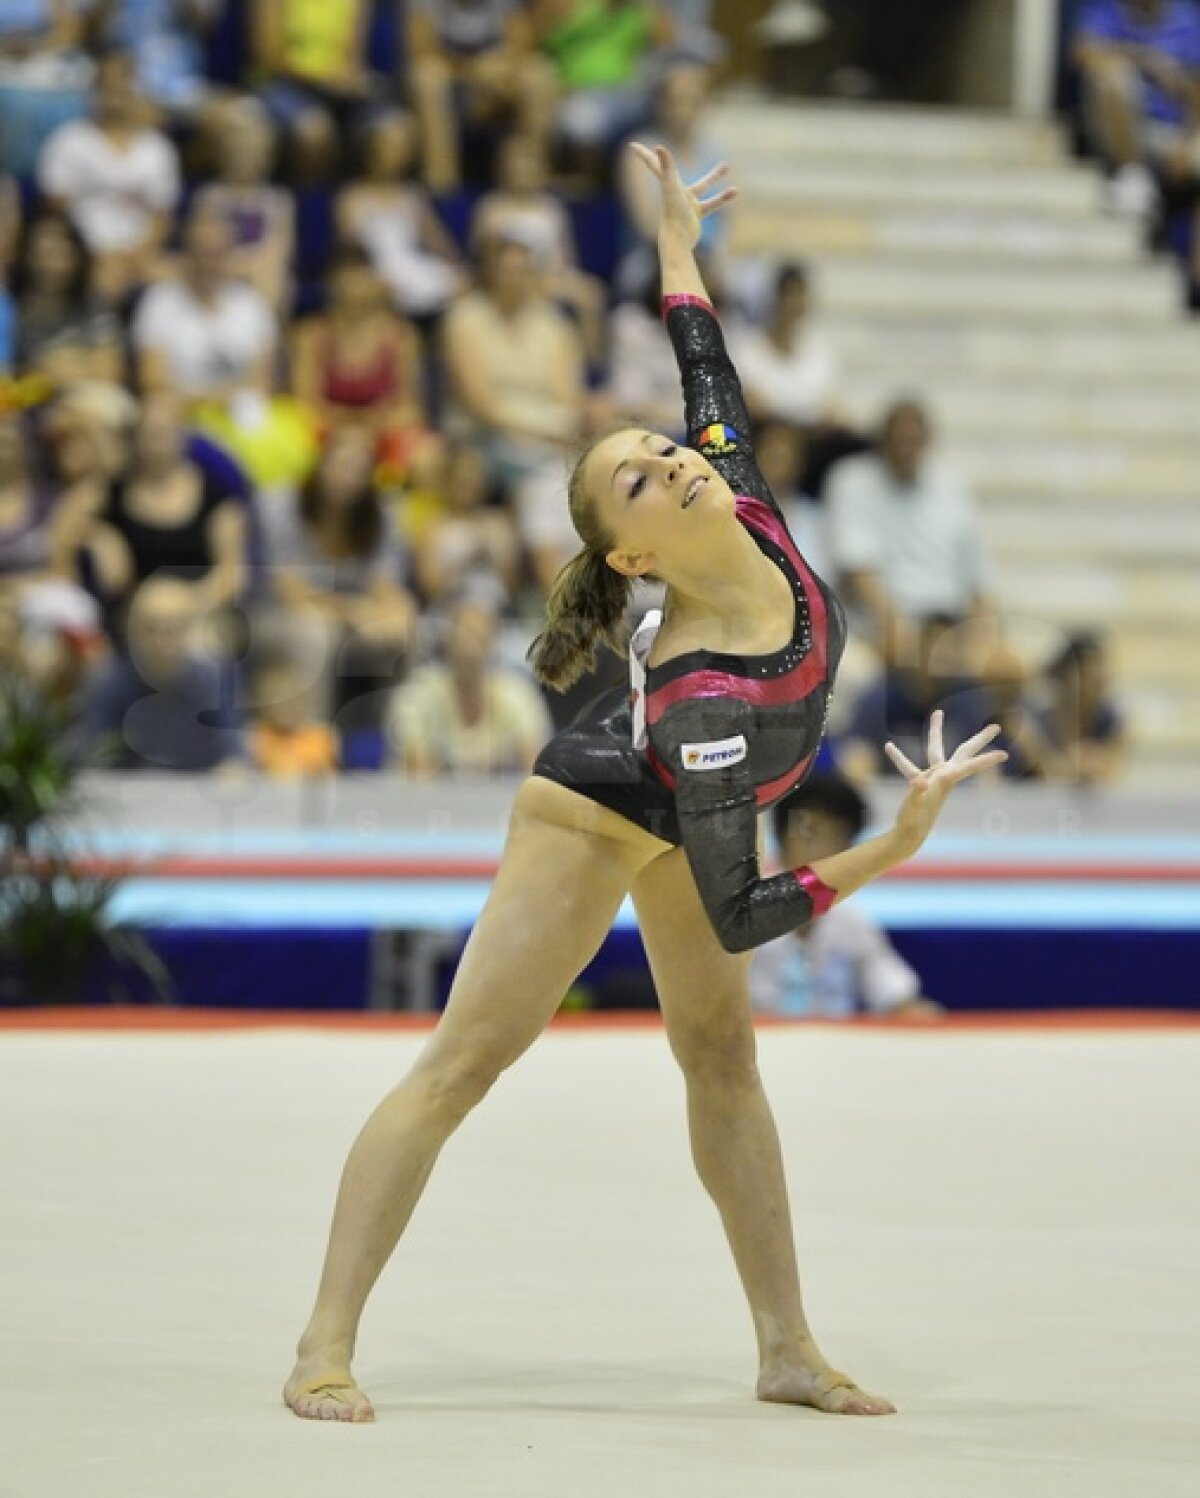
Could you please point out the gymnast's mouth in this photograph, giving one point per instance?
(693, 489)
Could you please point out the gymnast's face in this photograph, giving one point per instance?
(656, 498)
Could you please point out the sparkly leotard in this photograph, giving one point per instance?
(728, 735)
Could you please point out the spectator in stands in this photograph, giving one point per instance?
(897, 706)
(844, 963)
(464, 543)
(338, 571)
(515, 366)
(644, 381)
(1081, 728)
(1139, 61)
(781, 451)
(56, 623)
(474, 58)
(165, 38)
(601, 50)
(167, 707)
(466, 715)
(390, 214)
(523, 209)
(260, 216)
(116, 177)
(313, 54)
(166, 514)
(789, 366)
(287, 737)
(678, 122)
(790, 373)
(85, 435)
(904, 535)
(34, 28)
(358, 363)
(64, 330)
(26, 509)
(206, 337)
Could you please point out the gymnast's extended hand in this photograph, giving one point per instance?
(683, 209)
(929, 788)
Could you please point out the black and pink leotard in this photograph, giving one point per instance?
(728, 735)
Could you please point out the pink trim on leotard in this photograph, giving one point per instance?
(765, 794)
(816, 889)
(686, 299)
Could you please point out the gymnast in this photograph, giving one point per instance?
(653, 792)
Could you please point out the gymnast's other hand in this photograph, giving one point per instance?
(928, 789)
(683, 209)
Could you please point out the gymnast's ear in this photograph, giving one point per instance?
(630, 563)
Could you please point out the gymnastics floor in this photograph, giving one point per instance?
(999, 1228)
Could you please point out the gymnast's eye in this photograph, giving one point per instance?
(638, 485)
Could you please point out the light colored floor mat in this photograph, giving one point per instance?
(1001, 1232)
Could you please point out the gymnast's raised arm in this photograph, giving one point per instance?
(718, 424)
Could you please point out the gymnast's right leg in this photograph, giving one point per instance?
(567, 865)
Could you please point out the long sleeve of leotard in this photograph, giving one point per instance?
(718, 423)
(705, 742)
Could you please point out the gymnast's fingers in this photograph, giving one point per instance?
(937, 747)
(901, 761)
(710, 177)
(972, 745)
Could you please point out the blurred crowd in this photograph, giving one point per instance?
(305, 306)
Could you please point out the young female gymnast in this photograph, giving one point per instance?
(654, 792)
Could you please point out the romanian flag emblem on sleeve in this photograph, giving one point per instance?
(717, 439)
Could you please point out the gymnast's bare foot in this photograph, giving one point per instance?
(822, 1387)
(322, 1388)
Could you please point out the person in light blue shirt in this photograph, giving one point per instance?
(843, 964)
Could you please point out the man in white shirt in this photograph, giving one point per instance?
(844, 963)
(116, 178)
(207, 336)
(904, 536)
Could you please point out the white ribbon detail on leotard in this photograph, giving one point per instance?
(639, 650)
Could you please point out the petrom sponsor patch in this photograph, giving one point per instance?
(717, 755)
(717, 440)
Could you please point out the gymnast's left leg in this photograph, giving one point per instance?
(705, 999)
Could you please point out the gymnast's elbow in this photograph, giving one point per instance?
(734, 931)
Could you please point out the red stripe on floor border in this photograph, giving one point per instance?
(126, 1017)
(485, 868)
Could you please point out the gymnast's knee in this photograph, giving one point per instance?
(718, 1056)
(453, 1082)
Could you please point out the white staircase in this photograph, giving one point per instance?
(967, 258)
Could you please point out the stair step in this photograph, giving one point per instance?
(1022, 237)
(956, 290)
(1158, 545)
(1057, 587)
(1090, 470)
(749, 126)
(994, 407)
(913, 346)
(1065, 191)
(1149, 655)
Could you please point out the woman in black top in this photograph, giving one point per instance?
(738, 675)
(166, 514)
